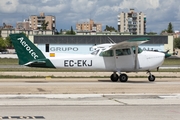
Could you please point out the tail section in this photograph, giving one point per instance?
(28, 53)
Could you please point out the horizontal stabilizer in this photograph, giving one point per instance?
(44, 63)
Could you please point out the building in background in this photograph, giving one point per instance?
(35, 22)
(132, 22)
(89, 26)
(31, 26)
(82, 44)
(6, 26)
(23, 25)
(177, 35)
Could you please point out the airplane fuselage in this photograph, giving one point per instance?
(146, 60)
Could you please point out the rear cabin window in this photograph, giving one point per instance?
(108, 53)
(121, 52)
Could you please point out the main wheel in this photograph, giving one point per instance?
(151, 78)
(114, 78)
(123, 78)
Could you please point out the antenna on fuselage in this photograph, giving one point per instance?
(111, 41)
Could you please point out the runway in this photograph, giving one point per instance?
(92, 112)
(90, 107)
(89, 99)
(89, 86)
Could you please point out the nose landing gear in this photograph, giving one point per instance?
(151, 77)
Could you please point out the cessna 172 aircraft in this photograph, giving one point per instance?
(120, 57)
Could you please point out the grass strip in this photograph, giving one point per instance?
(14, 61)
(66, 70)
(8, 61)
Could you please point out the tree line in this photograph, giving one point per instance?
(170, 30)
(5, 43)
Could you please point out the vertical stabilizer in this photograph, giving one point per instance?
(25, 49)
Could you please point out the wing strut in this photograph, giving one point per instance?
(136, 58)
(111, 41)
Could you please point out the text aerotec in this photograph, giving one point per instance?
(28, 48)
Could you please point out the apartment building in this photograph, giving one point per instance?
(6, 26)
(89, 26)
(35, 22)
(23, 25)
(132, 22)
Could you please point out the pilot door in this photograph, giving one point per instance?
(124, 59)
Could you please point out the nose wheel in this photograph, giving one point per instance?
(151, 77)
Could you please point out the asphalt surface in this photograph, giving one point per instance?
(92, 112)
(89, 98)
(89, 86)
(90, 107)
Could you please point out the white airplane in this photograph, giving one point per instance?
(117, 58)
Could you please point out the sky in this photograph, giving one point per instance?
(159, 13)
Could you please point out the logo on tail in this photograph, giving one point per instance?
(28, 48)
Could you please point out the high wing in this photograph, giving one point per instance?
(129, 43)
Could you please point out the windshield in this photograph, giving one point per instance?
(139, 49)
(95, 52)
(108, 53)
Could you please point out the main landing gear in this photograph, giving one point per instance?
(123, 77)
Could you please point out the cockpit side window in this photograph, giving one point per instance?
(108, 53)
(120, 52)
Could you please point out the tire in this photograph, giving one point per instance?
(114, 78)
(151, 78)
(123, 78)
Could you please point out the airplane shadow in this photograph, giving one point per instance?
(104, 80)
(129, 81)
(36, 82)
(139, 82)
